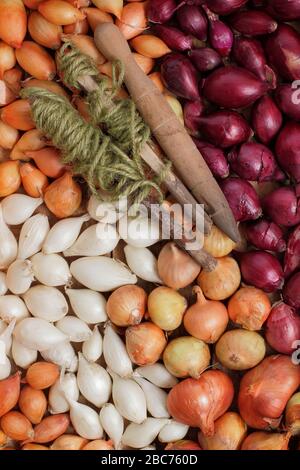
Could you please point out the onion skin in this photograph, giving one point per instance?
(145, 343)
(221, 283)
(33, 180)
(242, 198)
(262, 270)
(43, 32)
(191, 112)
(174, 38)
(225, 7)
(266, 119)
(160, 11)
(33, 404)
(127, 305)
(214, 157)
(286, 98)
(249, 54)
(220, 35)
(193, 21)
(16, 426)
(288, 150)
(292, 254)
(225, 128)
(240, 349)
(186, 357)
(18, 115)
(253, 23)
(265, 235)
(253, 162)
(69, 442)
(205, 59)
(291, 292)
(292, 414)
(42, 375)
(285, 10)
(283, 328)
(199, 402)
(183, 445)
(48, 161)
(217, 243)
(63, 196)
(206, 319)
(283, 51)
(9, 393)
(249, 307)
(266, 441)
(60, 13)
(13, 22)
(36, 61)
(176, 268)
(265, 390)
(246, 87)
(282, 206)
(180, 76)
(230, 431)
(166, 308)
(10, 179)
(51, 428)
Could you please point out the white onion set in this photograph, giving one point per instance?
(45, 315)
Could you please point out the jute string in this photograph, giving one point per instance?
(106, 151)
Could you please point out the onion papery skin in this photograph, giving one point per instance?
(199, 402)
(265, 390)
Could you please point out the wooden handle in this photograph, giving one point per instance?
(169, 132)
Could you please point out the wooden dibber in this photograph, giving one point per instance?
(167, 129)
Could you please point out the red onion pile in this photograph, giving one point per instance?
(235, 71)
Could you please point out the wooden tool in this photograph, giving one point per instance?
(167, 129)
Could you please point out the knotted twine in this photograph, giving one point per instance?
(109, 156)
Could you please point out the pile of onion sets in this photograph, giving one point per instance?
(110, 341)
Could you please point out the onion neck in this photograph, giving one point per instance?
(201, 300)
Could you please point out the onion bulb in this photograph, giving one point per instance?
(63, 196)
(13, 22)
(217, 243)
(265, 391)
(101, 273)
(126, 305)
(145, 343)
(16, 426)
(7, 58)
(266, 441)
(133, 20)
(60, 13)
(166, 308)
(292, 414)
(186, 356)
(43, 32)
(230, 431)
(36, 61)
(199, 402)
(175, 267)
(33, 180)
(10, 179)
(33, 404)
(223, 281)
(240, 349)
(110, 6)
(42, 375)
(143, 263)
(206, 319)
(8, 244)
(249, 307)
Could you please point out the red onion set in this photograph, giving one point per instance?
(242, 108)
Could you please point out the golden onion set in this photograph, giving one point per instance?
(107, 343)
